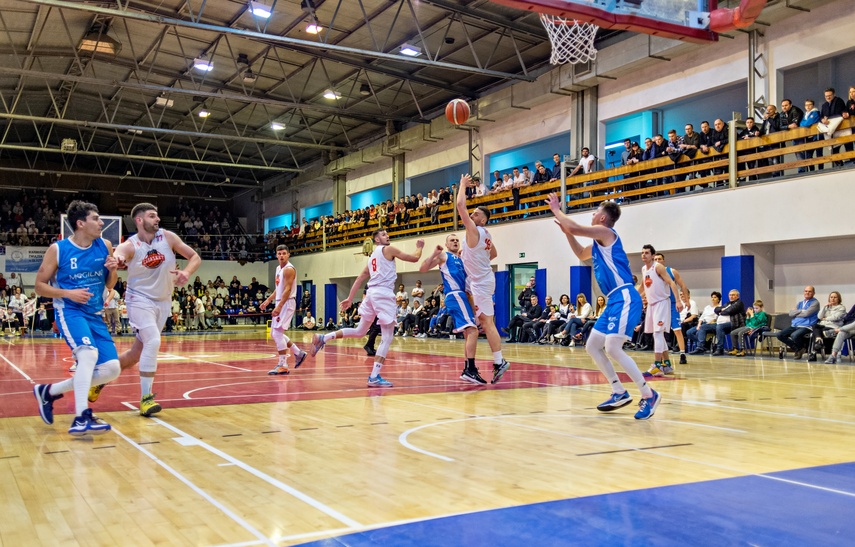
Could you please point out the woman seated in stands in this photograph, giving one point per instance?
(830, 318)
(598, 310)
(843, 333)
(424, 316)
(584, 311)
(565, 308)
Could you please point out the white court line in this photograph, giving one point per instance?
(21, 372)
(172, 356)
(329, 511)
(402, 438)
(262, 539)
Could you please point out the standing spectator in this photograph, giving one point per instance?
(832, 114)
(810, 118)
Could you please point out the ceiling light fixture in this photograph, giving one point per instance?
(365, 90)
(259, 9)
(98, 41)
(330, 94)
(314, 28)
(308, 6)
(277, 126)
(164, 102)
(203, 64)
(249, 76)
(410, 50)
(204, 113)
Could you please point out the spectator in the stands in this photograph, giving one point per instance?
(750, 131)
(832, 114)
(829, 318)
(706, 324)
(731, 316)
(804, 315)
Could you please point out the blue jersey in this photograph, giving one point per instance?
(670, 292)
(453, 274)
(611, 266)
(79, 268)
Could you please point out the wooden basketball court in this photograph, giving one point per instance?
(751, 450)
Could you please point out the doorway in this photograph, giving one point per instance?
(520, 275)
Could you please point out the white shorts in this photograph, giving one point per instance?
(143, 312)
(380, 303)
(283, 320)
(483, 304)
(658, 318)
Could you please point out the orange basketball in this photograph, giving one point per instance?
(457, 111)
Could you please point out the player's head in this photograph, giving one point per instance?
(145, 217)
(480, 216)
(647, 252)
(606, 215)
(282, 254)
(659, 257)
(84, 215)
(452, 243)
(380, 237)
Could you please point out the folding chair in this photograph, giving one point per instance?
(777, 323)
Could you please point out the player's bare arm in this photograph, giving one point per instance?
(112, 265)
(472, 236)
(288, 276)
(360, 279)
(663, 273)
(581, 251)
(193, 259)
(124, 253)
(47, 270)
(393, 252)
(682, 285)
(436, 258)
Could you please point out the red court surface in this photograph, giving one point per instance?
(204, 372)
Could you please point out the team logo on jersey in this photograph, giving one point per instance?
(660, 323)
(276, 280)
(153, 259)
(647, 281)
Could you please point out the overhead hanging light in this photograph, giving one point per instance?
(314, 27)
(365, 90)
(259, 9)
(204, 113)
(98, 41)
(277, 126)
(330, 94)
(203, 64)
(410, 50)
(164, 102)
(249, 76)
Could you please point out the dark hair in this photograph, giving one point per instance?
(484, 210)
(375, 232)
(282, 247)
(659, 254)
(79, 210)
(829, 89)
(750, 118)
(649, 247)
(716, 293)
(586, 148)
(705, 122)
(787, 100)
(612, 210)
(141, 208)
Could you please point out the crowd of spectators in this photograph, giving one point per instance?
(32, 219)
(214, 233)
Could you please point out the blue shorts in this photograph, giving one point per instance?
(86, 329)
(622, 313)
(675, 317)
(457, 304)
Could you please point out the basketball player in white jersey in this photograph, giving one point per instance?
(152, 274)
(379, 301)
(676, 323)
(658, 287)
(285, 296)
(477, 253)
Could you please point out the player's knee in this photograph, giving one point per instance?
(84, 353)
(109, 371)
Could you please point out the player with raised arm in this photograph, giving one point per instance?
(477, 253)
(623, 310)
(285, 296)
(379, 301)
(75, 272)
(456, 301)
(660, 290)
(150, 256)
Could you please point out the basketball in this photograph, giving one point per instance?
(457, 111)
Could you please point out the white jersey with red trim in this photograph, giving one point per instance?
(148, 269)
(279, 281)
(655, 288)
(476, 261)
(381, 270)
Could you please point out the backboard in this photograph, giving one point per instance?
(112, 230)
(687, 20)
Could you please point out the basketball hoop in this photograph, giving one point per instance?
(572, 40)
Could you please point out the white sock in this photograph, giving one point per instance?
(61, 387)
(83, 379)
(145, 385)
(497, 357)
(375, 372)
(329, 337)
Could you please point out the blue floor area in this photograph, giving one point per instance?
(748, 510)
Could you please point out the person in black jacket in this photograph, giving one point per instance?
(832, 113)
(730, 316)
(534, 314)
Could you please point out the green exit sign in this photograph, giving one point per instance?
(522, 255)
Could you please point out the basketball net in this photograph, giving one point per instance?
(572, 41)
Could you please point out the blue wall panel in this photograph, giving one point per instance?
(580, 282)
(737, 272)
(374, 196)
(501, 299)
(330, 302)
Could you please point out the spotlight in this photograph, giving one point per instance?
(410, 50)
(277, 126)
(314, 28)
(204, 113)
(259, 9)
(200, 63)
(365, 90)
(330, 94)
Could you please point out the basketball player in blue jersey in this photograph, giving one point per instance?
(623, 307)
(456, 300)
(379, 301)
(477, 252)
(75, 272)
(150, 256)
(676, 324)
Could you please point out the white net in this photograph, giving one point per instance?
(572, 41)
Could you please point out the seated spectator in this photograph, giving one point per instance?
(598, 310)
(843, 333)
(532, 328)
(330, 324)
(573, 327)
(804, 317)
(309, 321)
(706, 324)
(518, 320)
(755, 323)
(829, 318)
(730, 316)
(557, 323)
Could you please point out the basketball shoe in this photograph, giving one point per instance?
(318, 344)
(378, 381)
(94, 393)
(86, 423)
(654, 372)
(473, 377)
(149, 406)
(45, 400)
(614, 402)
(646, 407)
(280, 368)
(499, 370)
(298, 360)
